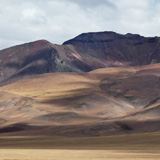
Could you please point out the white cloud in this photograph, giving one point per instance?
(59, 20)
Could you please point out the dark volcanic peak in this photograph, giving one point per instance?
(102, 37)
(108, 36)
(112, 49)
(95, 37)
(84, 53)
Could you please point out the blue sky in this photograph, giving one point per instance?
(59, 20)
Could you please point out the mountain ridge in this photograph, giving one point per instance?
(86, 52)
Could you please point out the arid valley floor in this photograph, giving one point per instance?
(124, 147)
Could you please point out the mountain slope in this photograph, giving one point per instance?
(84, 53)
(102, 102)
(112, 49)
(31, 59)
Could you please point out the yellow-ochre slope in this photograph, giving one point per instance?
(101, 102)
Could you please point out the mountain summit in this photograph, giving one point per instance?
(84, 53)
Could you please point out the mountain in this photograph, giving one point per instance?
(96, 84)
(101, 102)
(84, 53)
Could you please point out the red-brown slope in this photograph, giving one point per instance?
(84, 53)
(31, 59)
(109, 49)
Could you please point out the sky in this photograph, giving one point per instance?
(23, 21)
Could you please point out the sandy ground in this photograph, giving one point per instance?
(58, 154)
(144, 146)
